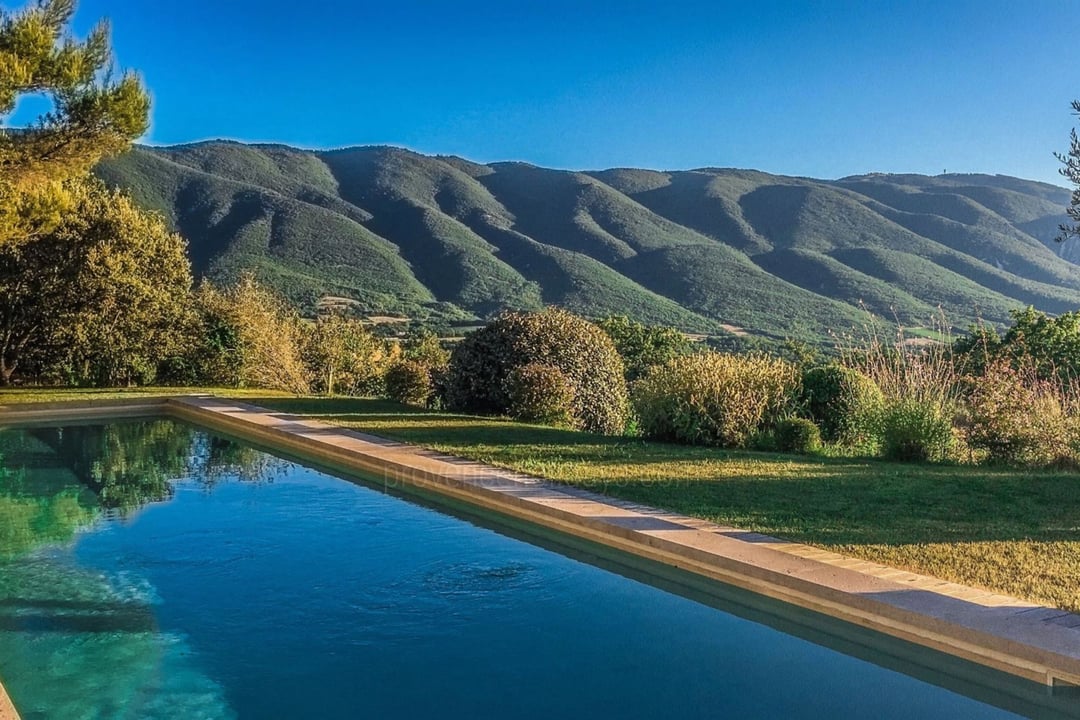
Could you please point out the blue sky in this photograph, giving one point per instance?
(824, 88)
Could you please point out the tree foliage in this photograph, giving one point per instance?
(540, 394)
(842, 401)
(1049, 345)
(251, 338)
(424, 347)
(92, 116)
(643, 346)
(96, 300)
(1070, 169)
(1016, 417)
(409, 383)
(344, 356)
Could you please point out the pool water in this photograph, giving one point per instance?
(150, 570)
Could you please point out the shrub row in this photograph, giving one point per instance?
(558, 369)
(555, 368)
(928, 412)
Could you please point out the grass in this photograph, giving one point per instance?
(1011, 531)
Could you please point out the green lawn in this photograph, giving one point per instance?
(1014, 531)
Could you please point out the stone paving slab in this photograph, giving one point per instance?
(7, 710)
(1008, 634)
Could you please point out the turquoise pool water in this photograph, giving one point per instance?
(149, 570)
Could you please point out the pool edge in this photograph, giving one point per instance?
(78, 410)
(7, 708)
(989, 636)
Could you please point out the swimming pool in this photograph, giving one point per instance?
(152, 570)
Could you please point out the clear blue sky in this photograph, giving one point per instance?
(825, 88)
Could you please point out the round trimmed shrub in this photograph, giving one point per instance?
(916, 430)
(540, 394)
(586, 356)
(844, 403)
(713, 398)
(797, 435)
(409, 382)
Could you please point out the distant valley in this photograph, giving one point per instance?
(714, 251)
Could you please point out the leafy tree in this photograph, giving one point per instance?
(1050, 345)
(1053, 343)
(98, 298)
(1071, 170)
(343, 355)
(643, 346)
(974, 351)
(93, 116)
(325, 346)
(799, 352)
(251, 337)
(424, 347)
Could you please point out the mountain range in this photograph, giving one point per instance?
(715, 251)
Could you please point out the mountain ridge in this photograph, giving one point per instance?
(397, 231)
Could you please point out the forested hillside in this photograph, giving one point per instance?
(703, 250)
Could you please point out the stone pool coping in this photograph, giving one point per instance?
(1038, 643)
(7, 710)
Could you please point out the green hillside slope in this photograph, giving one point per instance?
(708, 250)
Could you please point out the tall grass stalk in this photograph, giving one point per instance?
(921, 387)
(910, 369)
